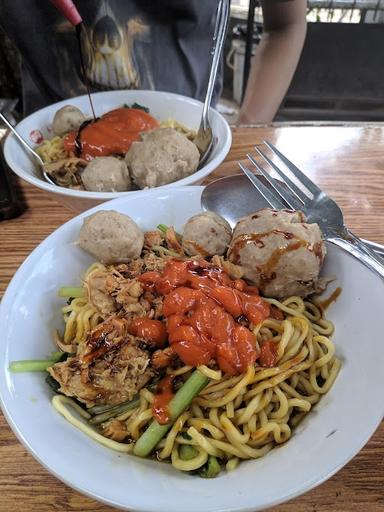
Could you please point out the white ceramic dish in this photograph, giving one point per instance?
(162, 105)
(332, 434)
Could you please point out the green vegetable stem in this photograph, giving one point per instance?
(36, 365)
(155, 432)
(115, 411)
(71, 292)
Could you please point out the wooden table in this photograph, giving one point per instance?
(348, 162)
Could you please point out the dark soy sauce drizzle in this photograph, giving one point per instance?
(78, 144)
(78, 29)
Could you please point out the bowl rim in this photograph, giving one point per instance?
(86, 194)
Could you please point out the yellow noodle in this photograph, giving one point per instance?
(171, 436)
(226, 382)
(231, 432)
(125, 415)
(251, 424)
(283, 404)
(139, 421)
(231, 394)
(285, 338)
(230, 410)
(189, 465)
(291, 391)
(204, 424)
(179, 371)
(52, 150)
(147, 395)
(59, 402)
(281, 433)
(210, 374)
(235, 417)
(196, 410)
(302, 404)
(172, 123)
(214, 417)
(232, 464)
(204, 442)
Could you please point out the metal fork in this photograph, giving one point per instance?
(313, 202)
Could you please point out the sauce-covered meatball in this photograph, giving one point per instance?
(111, 237)
(163, 156)
(67, 119)
(279, 252)
(106, 174)
(206, 234)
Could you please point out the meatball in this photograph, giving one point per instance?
(111, 237)
(67, 119)
(206, 234)
(163, 156)
(106, 174)
(279, 252)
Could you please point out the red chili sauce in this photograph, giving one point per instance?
(268, 354)
(150, 330)
(112, 134)
(164, 394)
(201, 304)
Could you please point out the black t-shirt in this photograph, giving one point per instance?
(128, 44)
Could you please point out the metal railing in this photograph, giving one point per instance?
(347, 4)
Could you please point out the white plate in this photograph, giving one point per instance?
(162, 105)
(332, 434)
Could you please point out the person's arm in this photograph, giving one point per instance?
(275, 60)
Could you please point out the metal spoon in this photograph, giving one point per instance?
(234, 197)
(28, 148)
(204, 137)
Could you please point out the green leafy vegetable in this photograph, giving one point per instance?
(211, 468)
(187, 452)
(137, 106)
(162, 227)
(52, 383)
(140, 107)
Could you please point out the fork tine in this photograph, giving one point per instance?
(314, 189)
(292, 187)
(291, 201)
(270, 197)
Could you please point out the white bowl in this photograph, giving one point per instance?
(162, 105)
(332, 433)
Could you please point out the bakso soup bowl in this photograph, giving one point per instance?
(329, 436)
(161, 105)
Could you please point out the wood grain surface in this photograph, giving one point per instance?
(348, 163)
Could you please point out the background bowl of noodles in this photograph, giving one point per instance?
(331, 434)
(163, 106)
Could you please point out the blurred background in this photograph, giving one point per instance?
(340, 76)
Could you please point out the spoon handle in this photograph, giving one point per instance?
(20, 138)
(355, 246)
(222, 16)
